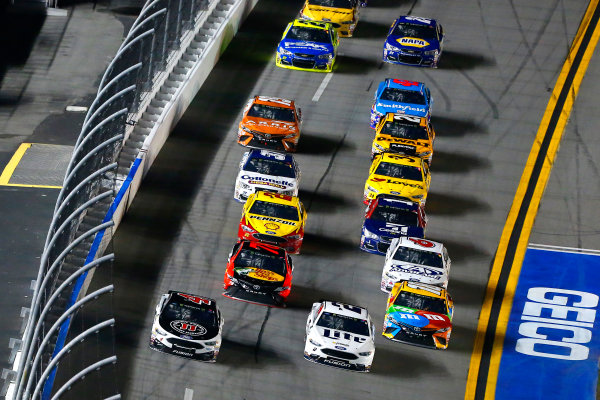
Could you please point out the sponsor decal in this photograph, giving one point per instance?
(278, 100)
(271, 219)
(183, 353)
(412, 42)
(261, 180)
(265, 275)
(419, 321)
(195, 299)
(415, 270)
(399, 230)
(431, 289)
(333, 334)
(305, 45)
(271, 226)
(272, 154)
(419, 19)
(402, 107)
(188, 327)
(340, 347)
(337, 362)
(393, 182)
(422, 242)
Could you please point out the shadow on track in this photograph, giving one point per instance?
(454, 127)
(456, 60)
(355, 65)
(311, 143)
(403, 364)
(448, 204)
(370, 30)
(325, 246)
(243, 355)
(457, 163)
(302, 297)
(461, 251)
(321, 202)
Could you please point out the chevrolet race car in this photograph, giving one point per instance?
(417, 260)
(401, 96)
(343, 14)
(419, 314)
(340, 335)
(270, 123)
(414, 41)
(188, 326)
(273, 218)
(404, 134)
(268, 171)
(403, 176)
(308, 46)
(258, 273)
(387, 218)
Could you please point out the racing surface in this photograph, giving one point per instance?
(499, 64)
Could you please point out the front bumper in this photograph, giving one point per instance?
(275, 142)
(338, 362)
(304, 64)
(410, 57)
(428, 339)
(204, 355)
(255, 297)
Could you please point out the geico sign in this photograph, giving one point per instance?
(571, 312)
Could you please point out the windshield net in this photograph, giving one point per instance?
(344, 323)
(274, 210)
(399, 171)
(420, 302)
(415, 256)
(261, 260)
(404, 130)
(271, 112)
(402, 96)
(200, 314)
(308, 34)
(395, 216)
(332, 3)
(270, 167)
(415, 31)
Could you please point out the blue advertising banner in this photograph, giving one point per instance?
(552, 344)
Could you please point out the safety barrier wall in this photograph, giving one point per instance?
(165, 58)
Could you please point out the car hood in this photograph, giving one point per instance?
(413, 43)
(187, 330)
(267, 181)
(418, 318)
(328, 14)
(270, 126)
(385, 140)
(387, 106)
(416, 272)
(272, 225)
(396, 186)
(383, 228)
(312, 48)
(345, 342)
(260, 274)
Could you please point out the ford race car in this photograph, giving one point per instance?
(188, 326)
(268, 171)
(308, 46)
(419, 314)
(387, 218)
(258, 273)
(273, 218)
(343, 14)
(270, 123)
(404, 134)
(403, 176)
(414, 41)
(401, 96)
(340, 335)
(417, 260)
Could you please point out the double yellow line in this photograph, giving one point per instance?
(497, 304)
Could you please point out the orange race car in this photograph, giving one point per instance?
(270, 123)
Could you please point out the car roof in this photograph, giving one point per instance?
(423, 289)
(398, 116)
(349, 310)
(306, 23)
(405, 84)
(394, 158)
(390, 200)
(420, 244)
(274, 101)
(411, 19)
(263, 247)
(191, 298)
(271, 155)
(278, 198)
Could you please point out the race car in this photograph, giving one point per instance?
(268, 171)
(273, 218)
(399, 175)
(404, 134)
(308, 46)
(401, 96)
(270, 123)
(414, 41)
(187, 325)
(258, 273)
(415, 259)
(343, 14)
(387, 218)
(419, 314)
(340, 335)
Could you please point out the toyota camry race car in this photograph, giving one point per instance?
(394, 174)
(401, 96)
(258, 273)
(404, 134)
(308, 46)
(268, 171)
(417, 260)
(188, 326)
(414, 41)
(270, 123)
(419, 314)
(340, 335)
(273, 218)
(387, 218)
(343, 14)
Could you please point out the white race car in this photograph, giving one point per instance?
(340, 335)
(268, 171)
(188, 326)
(415, 259)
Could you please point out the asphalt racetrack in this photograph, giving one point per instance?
(500, 62)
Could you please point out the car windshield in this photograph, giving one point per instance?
(399, 171)
(260, 259)
(402, 96)
(201, 314)
(344, 323)
(308, 34)
(270, 167)
(395, 215)
(415, 31)
(274, 210)
(332, 3)
(420, 302)
(404, 130)
(271, 112)
(421, 257)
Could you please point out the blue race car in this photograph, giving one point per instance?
(401, 96)
(308, 46)
(387, 218)
(414, 41)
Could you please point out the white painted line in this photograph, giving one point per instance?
(321, 88)
(563, 249)
(189, 394)
(76, 108)
(56, 12)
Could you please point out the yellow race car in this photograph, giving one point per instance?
(343, 14)
(398, 175)
(404, 134)
(273, 218)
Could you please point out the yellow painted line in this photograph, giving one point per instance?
(32, 186)
(12, 164)
(499, 260)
